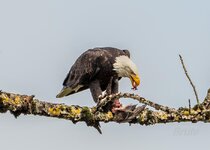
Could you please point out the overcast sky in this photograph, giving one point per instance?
(41, 39)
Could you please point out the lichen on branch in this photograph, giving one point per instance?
(23, 104)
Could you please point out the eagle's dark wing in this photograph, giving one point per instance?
(94, 64)
(81, 73)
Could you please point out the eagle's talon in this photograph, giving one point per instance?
(103, 95)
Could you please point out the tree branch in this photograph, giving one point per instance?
(188, 77)
(22, 104)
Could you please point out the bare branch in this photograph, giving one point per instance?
(186, 73)
(206, 102)
(189, 106)
(142, 100)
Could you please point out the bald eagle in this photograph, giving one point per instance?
(100, 69)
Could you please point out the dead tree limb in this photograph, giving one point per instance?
(188, 77)
(22, 104)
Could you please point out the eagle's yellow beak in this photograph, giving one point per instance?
(135, 80)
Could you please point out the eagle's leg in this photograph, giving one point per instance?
(109, 87)
(95, 90)
(115, 87)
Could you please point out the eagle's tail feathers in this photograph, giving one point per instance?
(64, 92)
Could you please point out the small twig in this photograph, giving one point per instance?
(193, 86)
(208, 95)
(206, 101)
(189, 106)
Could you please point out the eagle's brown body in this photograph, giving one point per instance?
(94, 70)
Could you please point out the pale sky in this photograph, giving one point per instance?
(40, 40)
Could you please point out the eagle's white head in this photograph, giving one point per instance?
(126, 68)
